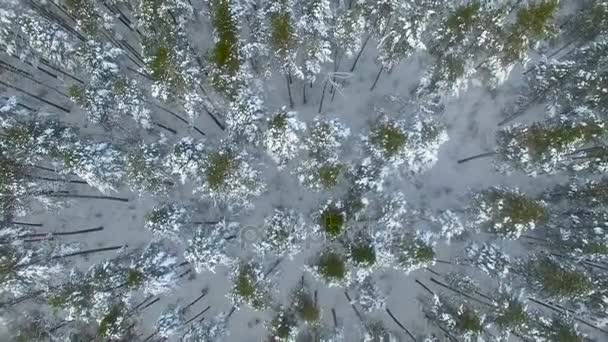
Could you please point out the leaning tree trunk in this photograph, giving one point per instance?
(400, 325)
(477, 156)
(68, 195)
(377, 78)
(287, 78)
(88, 251)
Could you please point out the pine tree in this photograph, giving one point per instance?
(507, 213)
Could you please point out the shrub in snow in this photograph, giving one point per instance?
(167, 220)
(244, 113)
(185, 158)
(112, 324)
(376, 331)
(207, 249)
(144, 171)
(508, 213)
(214, 329)
(489, 258)
(460, 318)
(227, 178)
(331, 220)
(108, 97)
(153, 271)
(410, 147)
(330, 267)
(29, 142)
(101, 165)
(248, 286)
(367, 295)
(170, 322)
(282, 140)
(555, 279)
(324, 145)
(283, 327)
(305, 307)
(22, 272)
(284, 233)
(511, 314)
(450, 225)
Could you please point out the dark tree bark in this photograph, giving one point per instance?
(287, 77)
(477, 156)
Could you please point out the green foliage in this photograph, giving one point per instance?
(282, 325)
(77, 94)
(220, 167)
(141, 172)
(331, 266)
(84, 12)
(305, 307)
(533, 23)
(109, 320)
(226, 51)
(596, 248)
(363, 254)
(279, 122)
(134, 278)
(520, 210)
(332, 221)
(389, 138)
(282, 32)
(424, 253)
(513, 316)
(469, 321)
(463, 19)
(57, 301)
(120, 87)
(535, 20)
(160, 64)
(557, 281)
(563, 332)
(246, 288)
(541, 140)
(329, 175)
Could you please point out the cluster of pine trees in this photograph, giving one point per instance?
(204, 112)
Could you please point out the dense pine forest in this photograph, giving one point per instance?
(304, 170)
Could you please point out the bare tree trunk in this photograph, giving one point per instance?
(400, 325)
(109, 198)
(203, 294)
(460, 292)
(335, 318)
(23, 223)
(425, 287)
(352, 68)
(23, 73)
(169, 129)
(304, 94)
(177, 117)
(377, 78)
(551, 307)
(477, 156)
(287, 77)
(64, 109)
(88, 251)
(73, 232)
(355, 308)
(198, 315)
(322, 96)
(57, 180)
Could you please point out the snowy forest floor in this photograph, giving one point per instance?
(471, 121)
